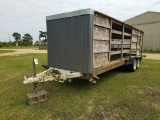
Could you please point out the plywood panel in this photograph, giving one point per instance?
(101, 21)
(134, 38)
(134, 46)
(100, 46)
(135, 31)
(101, 33)
(100, 59)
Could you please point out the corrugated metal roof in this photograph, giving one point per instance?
(145, 18)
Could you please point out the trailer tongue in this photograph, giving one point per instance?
(52, 75)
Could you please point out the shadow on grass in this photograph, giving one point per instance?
(86, 84)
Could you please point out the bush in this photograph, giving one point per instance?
(1, 44)
(4, 43)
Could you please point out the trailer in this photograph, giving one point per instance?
(86, 43)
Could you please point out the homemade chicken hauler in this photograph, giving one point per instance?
(86, 43)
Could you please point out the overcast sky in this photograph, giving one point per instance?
(29, 16)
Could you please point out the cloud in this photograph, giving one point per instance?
(28, 16)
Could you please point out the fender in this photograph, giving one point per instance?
(131, 60)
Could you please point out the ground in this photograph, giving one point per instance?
(22, 51)
(152, 56)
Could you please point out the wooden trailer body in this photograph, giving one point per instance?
(90, 42)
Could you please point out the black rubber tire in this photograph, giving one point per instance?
(133, 66)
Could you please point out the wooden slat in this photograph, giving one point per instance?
(119, 51)
(104, 22)
(134, 31)
(101, 33)
(127, 34)
(119, 41)
(117, 32)
(116, 22)
(135, 45)
(126, 51)
(100, 46)
(134, 38)
(116, 42)
(115, 52)
(127, 41)
(136, 35)
(100, 59)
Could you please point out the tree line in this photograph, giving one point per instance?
(25, 40)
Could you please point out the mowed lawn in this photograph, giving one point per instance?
(21, 47)
(117, 95)
(6, 51)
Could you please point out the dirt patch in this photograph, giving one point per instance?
(8, 105)
(151, 92)
(90, 105)
(106, 115)
(152, 56)
(146, 90)
(22, 51)
(155, 105)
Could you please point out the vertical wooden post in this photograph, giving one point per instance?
(110, 38)
(142, 43)
(131, 43)
(122, 41)
(136, 42)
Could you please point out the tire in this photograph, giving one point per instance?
(138, 63)
(133, 66)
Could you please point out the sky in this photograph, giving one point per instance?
(29, 16)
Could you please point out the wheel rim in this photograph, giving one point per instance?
(138, 63)
(134, 65)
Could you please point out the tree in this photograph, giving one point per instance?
(27, 39)
(43, 35)
(17, 37)
(37, 43)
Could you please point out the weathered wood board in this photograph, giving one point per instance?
(101, 21)
(101, 33)
(100, 59)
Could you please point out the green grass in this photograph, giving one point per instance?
(6, 51)
(117, 95)
(150, 51)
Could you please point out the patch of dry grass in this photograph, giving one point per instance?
(6, 51)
